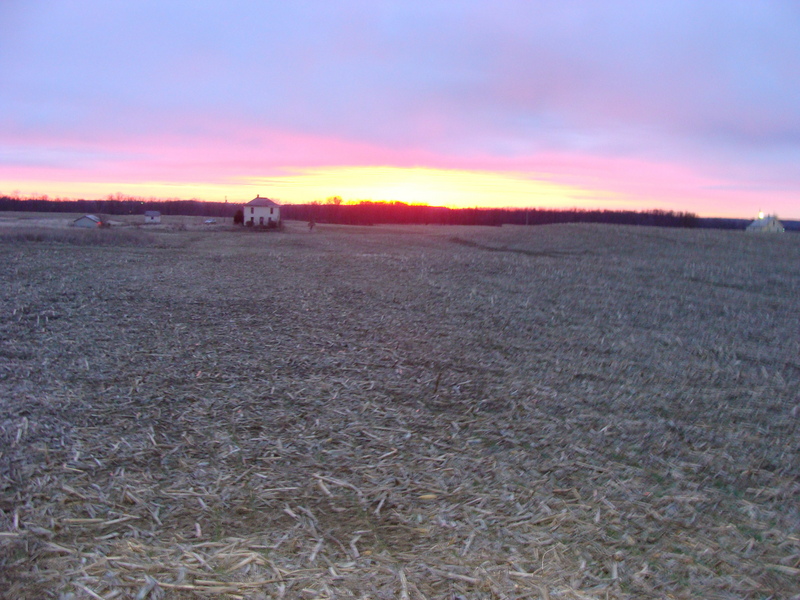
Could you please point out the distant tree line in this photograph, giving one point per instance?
(362, 213)
(375, 213)
(121, 205)
(334, 210)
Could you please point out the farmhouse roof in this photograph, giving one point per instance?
(152, 213)
(259, 201)
(94, 218)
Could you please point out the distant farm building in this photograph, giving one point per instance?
(766, 224)
(152, 216)
(262, 212)
(88, 221)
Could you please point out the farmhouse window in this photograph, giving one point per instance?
(251, 210)
(270, 210)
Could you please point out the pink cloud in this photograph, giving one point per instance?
(238, 153)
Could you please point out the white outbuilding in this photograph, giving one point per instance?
(87, 221)
(152, 216)
(262, 212)
(766, 224)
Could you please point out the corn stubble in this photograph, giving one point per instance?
(571, 411)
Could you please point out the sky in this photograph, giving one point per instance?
(660, 104)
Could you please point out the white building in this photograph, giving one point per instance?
(152, 216)
(766, 224)
(262, 212)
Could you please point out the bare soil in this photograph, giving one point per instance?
(575, 411)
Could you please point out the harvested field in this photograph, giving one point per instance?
(561, 412)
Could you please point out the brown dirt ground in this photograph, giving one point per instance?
(573, 411)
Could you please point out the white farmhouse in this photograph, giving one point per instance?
(766, 224)
(262, 212)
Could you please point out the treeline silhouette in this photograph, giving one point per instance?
(400, 213)
(362, 213)
(121, 205)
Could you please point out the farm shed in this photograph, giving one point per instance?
(152, 216)
(262, 212)
(766, 224)
(87, 221)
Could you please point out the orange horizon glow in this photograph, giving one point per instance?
(452, 188)
(296, 168)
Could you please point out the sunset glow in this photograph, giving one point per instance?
(435, 187)
(519, 104)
